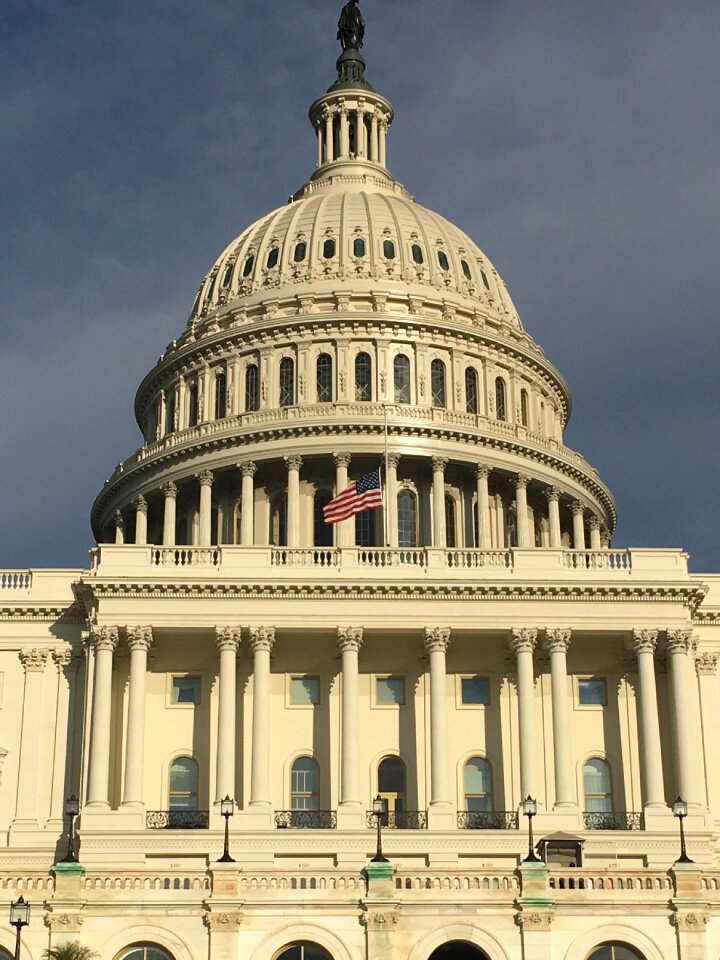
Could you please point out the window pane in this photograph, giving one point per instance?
(249, 264)
(485, 280)
(388, 249)
(227, 276)
(365, 529)
(417, 253)
(304, 690)
(252, 393)
(363, 377)
(475, 690)
(592, 691)
(272, 259)
(323, 531)
(300, 252)
(391, 776)
(220, 396)
(193, 406)
(287, 383)
(324, 378)
(437, 383)
(278, 531)
(443, 260)
(450, 534)
(329, 249)
(359, 247)
(401, 367)
(186, 689)
(471, 390)
(500, 399)
(477, 776)
(407, 519)
(524, 407)
(390, 690)
(466, 269)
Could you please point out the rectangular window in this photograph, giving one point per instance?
(304, 691)
(185, 690)
(389, 691)
(475, 691)
(592, 692)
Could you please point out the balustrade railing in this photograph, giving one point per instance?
(299, 557)
(598, 560)
(630, 881)
(473, 559)
(15, 579)
(177, 819)
(186, 557)
(306, 819)
(617, 820)
(488, 819)
(400, 820)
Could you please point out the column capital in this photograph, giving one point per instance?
(139, 638)
(644, 641)
(595, 523)
(104, 638)
(140, 504)
(524, 639)
(248, 468)
(521, 481)
(341, 459)
(557, 639)
(350, 638)
(680, 641)
(482, 471)
(62, 657)
(294, 463)
(118, 520)
(393, 460)
(437, 639)
(262, 638)
(170, 490)
(228, 638)
(577, 507)
(205, 478)
(706, 664)
(552, 494)
(439, 464)
(33, 660)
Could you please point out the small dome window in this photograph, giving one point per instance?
(300, 252)
(227, 276)
(359, 247)
(388, 249)
(249, 264)
(485, 280)
(329, 249)
(466, 269)
(273, 256)
(443, 261)
(417, 253)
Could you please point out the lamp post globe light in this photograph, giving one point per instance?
(227, 809)
(72, 809)
(529, 805)
(380, 812)
(19, 918)
(680, 809)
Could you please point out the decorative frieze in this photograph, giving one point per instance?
(690, 921)
(380, 920)
(223, 921)
(535, 920)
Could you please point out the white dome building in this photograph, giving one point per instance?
(232, 670)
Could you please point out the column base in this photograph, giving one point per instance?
(255, 818)
(441, 816)
(100, 817)
(26, 833)
(350, 816)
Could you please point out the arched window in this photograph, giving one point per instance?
(278, 523)
(304, 951)
(615, 951)
(4, 955)
(183, 784)
(597, 786)
(524, 408)
(358, 247)
(305, 784)
(323, 531)
(363, 377)
(287, 382)
(300, 252)
(249, 264)
(500, 405)
(466, 269)
(273, 257)
(401, 372)
(443, 261)
(329, 249)
(471, 390)
(193, 405)
(437, 383)
(220, 396)
(324, 378)
(417, 254)
(450, 525)
(145, 951)
(252, 388)
(388, 249)
(477, 785)
(407, 519)
(170, 409)
(391, 784)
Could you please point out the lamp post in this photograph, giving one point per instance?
(72, 809)
(19, 918)
(380, 812)
(529, 806)
(227, 809)
(680, 809)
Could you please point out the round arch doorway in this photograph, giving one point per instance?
(458, 950)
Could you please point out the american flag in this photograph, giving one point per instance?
(364, 494)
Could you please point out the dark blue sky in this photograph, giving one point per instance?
(576, 141)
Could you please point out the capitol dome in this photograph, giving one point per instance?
(349, 327)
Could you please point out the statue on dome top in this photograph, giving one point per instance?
(351, 27)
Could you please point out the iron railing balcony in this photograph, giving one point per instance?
(488, 819)
(306, 819)
(177, 819)
(617, 820)
(400, 820)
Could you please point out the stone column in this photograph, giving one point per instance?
(104, 641)
(482, 473)
(170, 492)
(438, 495)
(553, 499)
(139, 642)
(205, 479)
(578, 511)
(391, 496)
(523, 644)
(261, 643)
(345, 535)
(247, 503)
(383, 143)
(521, 483)
(595, 543)
(294, 465)
(350, 641)
(62, 658)
(119, 527)
(141, 521)
(228, 641)
(645, 643)
(557, 643)
(162, 415)
(329, 145)
(344, 133)
(436, 644)
(26, 809)
(320, 144)
(360, 133)
(374, 137)
(684, 694)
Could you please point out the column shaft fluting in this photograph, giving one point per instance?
(261, 642)
(438, 493)
(139, 641)
(228, 641)
(557, 642)
(104, 641)
(523, 644)
(350, 641)
(436, 644)
(645, 642)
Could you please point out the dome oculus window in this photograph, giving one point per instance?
(273, 256)
(401, 373)
(324, 378)
(358, 247)
(437, 383)
(443, 261)
(329, 247)
(249, 264)
(417, 254)
(363, 379)
(252, 388)
(287, 382)
(300, 252)
(466, 269)
(388, 249)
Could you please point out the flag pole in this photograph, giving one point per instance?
(385, 498)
